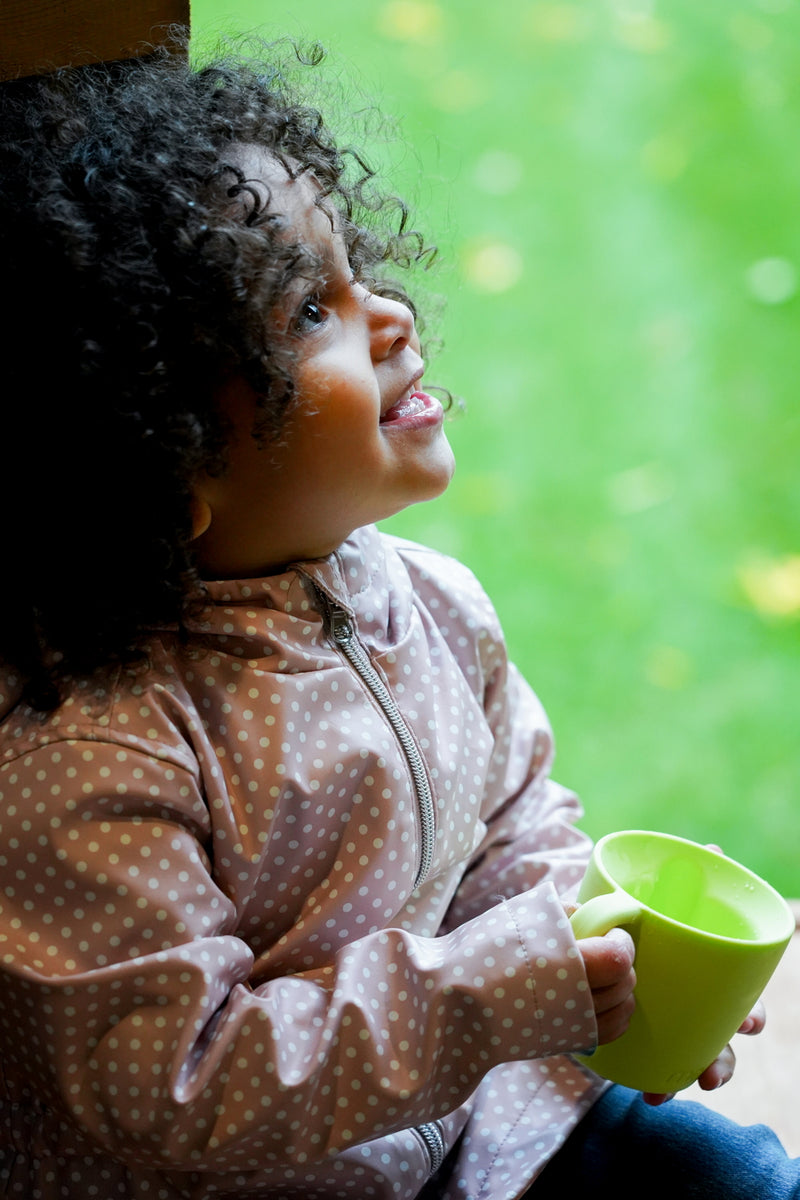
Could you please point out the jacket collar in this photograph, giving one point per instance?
(348, 577)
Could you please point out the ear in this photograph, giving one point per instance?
(200, 512)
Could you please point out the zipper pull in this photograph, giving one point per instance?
(341, 628)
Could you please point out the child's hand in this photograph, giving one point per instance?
(609, 970)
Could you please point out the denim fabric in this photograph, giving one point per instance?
(625, 1148)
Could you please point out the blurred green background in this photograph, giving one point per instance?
(614, 188)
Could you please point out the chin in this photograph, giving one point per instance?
(443, 474)
(437, 485)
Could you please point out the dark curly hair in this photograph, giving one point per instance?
(136, 283)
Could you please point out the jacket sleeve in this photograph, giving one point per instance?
(130, 1003)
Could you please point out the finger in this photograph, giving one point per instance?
(609, 959)
(656, 1098)
(613, 1023)
(607, 998)
(719, 1072)
(755, 1021)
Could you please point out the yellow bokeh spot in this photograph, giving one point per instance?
(457, 91)
(411, 21)
(668, 667)
(772, 585)
(485, 494)
(664, 158)
(492, 266)
(558, 22)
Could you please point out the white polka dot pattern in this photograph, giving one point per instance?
(218, 977)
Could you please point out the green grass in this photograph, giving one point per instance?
(614, 188)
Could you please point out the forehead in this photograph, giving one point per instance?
(295, 200)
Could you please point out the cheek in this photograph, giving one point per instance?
(340, 422)
(343, 379)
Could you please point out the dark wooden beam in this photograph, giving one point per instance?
(37, 36)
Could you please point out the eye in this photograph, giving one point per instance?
(310, 315)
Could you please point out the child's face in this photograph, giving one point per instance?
(362, 442)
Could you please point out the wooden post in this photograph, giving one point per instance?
(37, 36)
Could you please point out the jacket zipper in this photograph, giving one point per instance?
(344, 637)
(433, 1137)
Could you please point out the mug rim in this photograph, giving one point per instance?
(695, 846)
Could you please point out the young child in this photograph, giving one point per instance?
(282, 867)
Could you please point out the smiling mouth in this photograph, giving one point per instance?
(414, 405)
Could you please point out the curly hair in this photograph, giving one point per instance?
(136, 284)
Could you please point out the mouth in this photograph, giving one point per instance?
(413, 407)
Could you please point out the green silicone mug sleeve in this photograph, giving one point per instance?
(600, 914)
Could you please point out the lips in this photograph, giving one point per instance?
(407, 406)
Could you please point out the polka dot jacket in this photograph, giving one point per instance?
(280, 915)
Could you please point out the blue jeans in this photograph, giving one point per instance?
(625, 1148)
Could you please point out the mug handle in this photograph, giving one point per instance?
(601, 913)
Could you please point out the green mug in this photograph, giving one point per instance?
(708, 934)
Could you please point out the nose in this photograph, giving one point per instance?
(392, 326)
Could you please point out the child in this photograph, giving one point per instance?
(282, 863)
